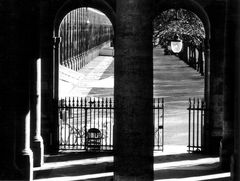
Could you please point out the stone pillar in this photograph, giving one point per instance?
(27, 51)
(133, 92)
(235, 5)
(49, 101)
(231, 137)
(191, 61)
(8, 167)
(194, 58)
(55, 130)
(188, 54)
(24, 153)
(19, 37)
(235, 166)
(37, 141)
(226, 146)
(207, 137)
(200, 59)
(217, 54)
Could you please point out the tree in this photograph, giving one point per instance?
(182, 22)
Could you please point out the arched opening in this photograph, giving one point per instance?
(182, 78)
(85, 91)
(85, 34)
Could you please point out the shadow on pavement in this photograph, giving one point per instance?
(99, 167)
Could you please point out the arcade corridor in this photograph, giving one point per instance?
(30, 56)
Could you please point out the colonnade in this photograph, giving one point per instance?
(25, 44)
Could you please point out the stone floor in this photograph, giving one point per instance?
(172, 164)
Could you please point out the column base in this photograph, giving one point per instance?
(132, 178)
(25, 164)
(226, 151)
(232, 165)
(9, 171)
(38, 152)
(212, 146)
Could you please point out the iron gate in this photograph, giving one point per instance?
(78, 115)
(196, 112)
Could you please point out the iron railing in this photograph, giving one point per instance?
(158, 115)
(81, 30)
(78, 115)
(196, 112)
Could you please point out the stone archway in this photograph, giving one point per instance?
(198, 10)
(60, 14)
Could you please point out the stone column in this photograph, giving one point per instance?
(235, 4)
(191, 58)
(8, 168)
(48, 100)
(188, 54)
(229, 145)
(37, 141)
(200, 59)
(217, 54)
(194, 58)
(207, 137)
(226, 146)
(27, 51)
(55, 130)
(133, 92)
(20, 47)
(235, 166)
(24, 153)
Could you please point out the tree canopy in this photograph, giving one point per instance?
(181, 22)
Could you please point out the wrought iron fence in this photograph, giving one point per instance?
(158, 115)
(78, 115)
(196, 112)
(81, 30)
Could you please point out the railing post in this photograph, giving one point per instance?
(200, 59)
(85, 121)
(198, 109)
(189, 125)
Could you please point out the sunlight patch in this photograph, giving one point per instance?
(200, 178)
(185, 163)
(76, 178)
(55, 165)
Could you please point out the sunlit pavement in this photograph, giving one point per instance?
(172, 164)
(89, 77)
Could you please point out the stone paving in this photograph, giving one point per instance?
(89, 77)
(174, 164)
